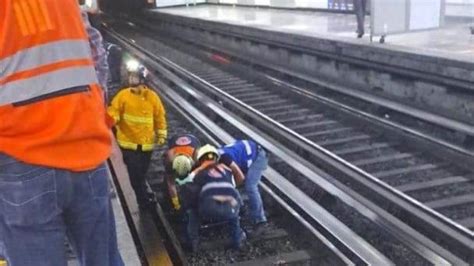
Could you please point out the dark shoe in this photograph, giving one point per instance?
(359, 35)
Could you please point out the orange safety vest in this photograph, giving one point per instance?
(44, 49)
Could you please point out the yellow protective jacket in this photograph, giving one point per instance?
(137, 117)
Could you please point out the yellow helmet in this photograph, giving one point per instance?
(182, 165)
(208, 151)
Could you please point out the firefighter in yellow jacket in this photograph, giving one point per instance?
(140, 122)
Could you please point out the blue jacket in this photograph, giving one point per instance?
(242, 152)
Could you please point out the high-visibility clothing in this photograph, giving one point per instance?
(242, 152)
(44, 49)
(67, 132)
(185, 144)
(137, 116)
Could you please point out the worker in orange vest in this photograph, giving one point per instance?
(53, 139)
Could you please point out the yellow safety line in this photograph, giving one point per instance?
(3, 263)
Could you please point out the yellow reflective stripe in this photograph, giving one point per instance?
(39, 18)
(162, 132)
(28, 17)
(138, 119)
(127, 145)
(134, 146)
(147, 147)
(31, 12)
(20, 19)
(46, 16)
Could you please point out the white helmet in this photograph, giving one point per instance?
(182, 165)
(207, 150)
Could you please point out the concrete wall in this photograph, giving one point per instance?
(457, 8)
(326, 64)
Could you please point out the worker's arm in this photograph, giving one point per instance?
(159, 119)
(238, 175)
(236, 171)
(115, 108)
(173, 192)
(171, 184)
(99, 54)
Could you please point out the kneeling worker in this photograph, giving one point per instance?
(178, 161)
(138, 114)
(248, 158)
(212, 196)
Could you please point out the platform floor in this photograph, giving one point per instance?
(452, 41)
(125, 241)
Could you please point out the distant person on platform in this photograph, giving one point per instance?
(360, 9)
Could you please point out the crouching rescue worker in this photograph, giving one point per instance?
(140, 122)
(212, 196)
(246, 157)
(178, 161)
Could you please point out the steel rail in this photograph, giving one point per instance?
(424, 246)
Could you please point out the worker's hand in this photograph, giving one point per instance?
(109, 120)
(161, 141)
(175, 203)
(162, 134)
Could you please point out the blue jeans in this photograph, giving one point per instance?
(252, 179)
(40, 206)
(211, 210)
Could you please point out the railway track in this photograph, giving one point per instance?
(411, 173)
(291, 238)
(277, 245)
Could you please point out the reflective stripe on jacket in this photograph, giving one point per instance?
(138, 116)
(44, 49)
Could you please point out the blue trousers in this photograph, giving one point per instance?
(210, 210)
(252, 179)
(40, 206)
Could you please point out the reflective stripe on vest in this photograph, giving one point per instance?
(248, 149)
(217, 185)
(42, 55)
(25, 89)
(49, 52)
